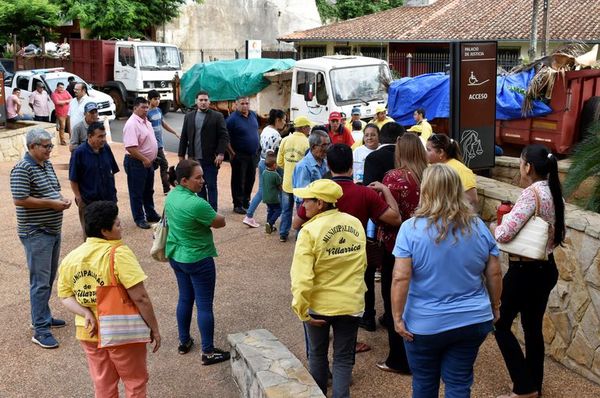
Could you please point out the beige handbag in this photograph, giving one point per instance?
(161, 230)
(532, 239)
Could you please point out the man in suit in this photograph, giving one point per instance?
(381, 161)
(204, 138)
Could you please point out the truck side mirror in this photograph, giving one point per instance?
(310, 92)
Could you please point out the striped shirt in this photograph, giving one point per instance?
(29, 179)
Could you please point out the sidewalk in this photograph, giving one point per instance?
(252, 292)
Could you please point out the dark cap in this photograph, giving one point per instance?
(90, 106)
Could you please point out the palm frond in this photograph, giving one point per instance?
(585, 163)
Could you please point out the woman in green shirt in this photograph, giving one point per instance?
(190, 249)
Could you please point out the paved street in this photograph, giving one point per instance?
(173, 119)
(252, 292)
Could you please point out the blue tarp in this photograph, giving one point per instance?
(227, 80)
(432, 93)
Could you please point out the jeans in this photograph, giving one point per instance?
(451, 355)
(42, 251)
(345, 329)
(209, 189)
(273, 212)
(374, 253)
(196, 281)
(287, 211)
(525, 290)
(41, 118)
(140, 183)
(397, 353)
(243, 174)
(163, 165)
(258, 195)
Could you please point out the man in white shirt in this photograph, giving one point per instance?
(77, 105)
(38, 100)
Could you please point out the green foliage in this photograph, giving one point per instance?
(31, 20)
(585, 164)
(121, 18)
(347, 9)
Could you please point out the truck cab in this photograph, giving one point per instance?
(27, 80)
(141, 66)
(338, 83)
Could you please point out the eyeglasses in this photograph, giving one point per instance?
(325, 145)
(47, 146)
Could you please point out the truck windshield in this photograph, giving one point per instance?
(360, 83)
(159, 58)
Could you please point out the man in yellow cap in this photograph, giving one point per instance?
(291, 150)
(327, 279)
(381, 117)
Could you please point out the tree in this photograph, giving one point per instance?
(121, 18)
(31, 20)
(347, 9)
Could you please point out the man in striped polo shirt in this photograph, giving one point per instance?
(40, 205)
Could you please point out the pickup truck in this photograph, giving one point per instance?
(26, 80)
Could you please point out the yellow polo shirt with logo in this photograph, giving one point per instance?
(87, 267)
(380, 124)
(291, 150)
(467, 177)
(328, 269)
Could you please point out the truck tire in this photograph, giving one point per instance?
(165, 107)
(119, 102)
(590, 114)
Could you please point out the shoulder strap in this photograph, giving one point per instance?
(537, 202)
(113, 279)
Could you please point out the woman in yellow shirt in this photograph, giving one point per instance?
(443, 149)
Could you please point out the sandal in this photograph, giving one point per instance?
(362, 347)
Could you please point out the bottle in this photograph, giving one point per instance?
(504, 208)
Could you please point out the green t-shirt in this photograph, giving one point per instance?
(189, 218)
(271, 186)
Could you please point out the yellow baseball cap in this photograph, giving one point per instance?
(324, 189)
(380, 108)
(302, 121)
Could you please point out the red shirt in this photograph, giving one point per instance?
(61, 110)
(359, 201)
(342, 136)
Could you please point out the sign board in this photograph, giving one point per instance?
(253, 49)
(2, 101)
(473, 101)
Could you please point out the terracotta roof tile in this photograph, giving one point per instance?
(447, 20)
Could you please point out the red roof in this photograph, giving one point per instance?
(449, 20)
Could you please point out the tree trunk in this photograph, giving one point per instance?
(533, 37)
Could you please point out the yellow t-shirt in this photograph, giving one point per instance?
(349, 125)
(88, 266)
(328, 269)
(380, 124)
(426, 130)
(467, 177)
(291, 150)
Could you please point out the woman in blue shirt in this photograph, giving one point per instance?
(446, 286)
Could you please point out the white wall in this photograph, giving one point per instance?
(219, 26)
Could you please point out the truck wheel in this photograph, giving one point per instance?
(165, 107)
(119, 103)
(590, 114)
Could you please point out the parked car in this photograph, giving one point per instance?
(27, 81)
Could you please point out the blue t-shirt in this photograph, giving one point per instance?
(446, 289)
(243, 132)
(155, 117)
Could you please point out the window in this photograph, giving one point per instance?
(23, 83)
(342, 50)
(321, 90)
(127, 56)
(312, 51)
(304, 81)
(360, 83)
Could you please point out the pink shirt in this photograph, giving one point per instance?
(11, 106)
(39, 103)
(138, 132)
(61, 110)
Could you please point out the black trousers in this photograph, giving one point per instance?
(525, 290)
(373, 261)
(163, 164)
(397, 355)
(243, 174)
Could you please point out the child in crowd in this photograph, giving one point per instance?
(271, 183)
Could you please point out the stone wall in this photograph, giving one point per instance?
(264, 368)
(572, 320)
(12, 141)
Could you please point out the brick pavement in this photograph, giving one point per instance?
(252, 292)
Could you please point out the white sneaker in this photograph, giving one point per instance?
(251, 222)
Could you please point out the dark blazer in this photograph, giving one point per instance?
(378, 163)
(214, 135)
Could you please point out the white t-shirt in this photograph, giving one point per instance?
(76, 109)
(269, 140)
(358, 168)
(358, 135)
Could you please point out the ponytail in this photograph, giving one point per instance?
(545, 165)
(446, 144)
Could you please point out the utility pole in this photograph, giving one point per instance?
(545, 27)
(533, 37)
